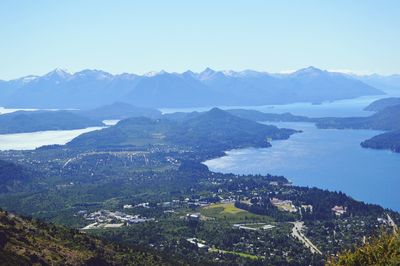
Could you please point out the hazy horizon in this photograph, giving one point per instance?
(225, 71)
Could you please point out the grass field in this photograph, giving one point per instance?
(241, 254)
(228, 211)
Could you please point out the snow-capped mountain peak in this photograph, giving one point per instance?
(59, 73)
(155, 73)
(308, 71)
(97, 74)
(207, 74)
(29, 78)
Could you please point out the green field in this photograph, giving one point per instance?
(241, 254)
(228, 211)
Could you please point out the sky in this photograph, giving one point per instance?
(362, 36)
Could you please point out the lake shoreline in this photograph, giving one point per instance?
(339, 165)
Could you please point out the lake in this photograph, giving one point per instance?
(325, 158)
(33, 140)
(341, 108)
(331, 159)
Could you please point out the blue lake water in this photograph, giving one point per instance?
(33, 140)
(325, 158)
(331, 159)
(341, 108)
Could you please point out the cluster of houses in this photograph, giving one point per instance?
(306, 208)
(253, 226)
(285, 205)
(193, 217)
(201, 244)
(143, 205)
(339, 210)
(109, 219)
(173, 203)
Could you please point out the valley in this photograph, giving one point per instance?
(142, 183)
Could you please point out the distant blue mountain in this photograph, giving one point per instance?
(389, 84)
(381, 104)
(118, 111)
(28, 121)
(92, 88)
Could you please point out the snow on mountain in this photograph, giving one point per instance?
(92, 88)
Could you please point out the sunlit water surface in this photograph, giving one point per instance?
(342, 108)
(29, 141)
(325, 158)
(331, 159)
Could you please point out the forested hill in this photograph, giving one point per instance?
(119, 110)
(248, 114)
(381, 104)
(31, 121)
(261, 116)
(13, 176)
(25, 241)
(386, 119)
(385, 141)
(218, 128)
(215, 129)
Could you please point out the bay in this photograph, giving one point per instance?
(325, 158)
(33, 140)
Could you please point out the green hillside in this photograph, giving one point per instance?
(24, 121)
(212, 130)
(384, 250)
(26, 241)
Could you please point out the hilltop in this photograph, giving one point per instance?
(215, 130)
(381, 104)
(13, 176)
(31, 121)
(119, 110)
(385, 141)
(385, 119)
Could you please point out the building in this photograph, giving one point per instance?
(285, 205)
(201, 244)
(307, 208)
(193, 217)
(339, 210)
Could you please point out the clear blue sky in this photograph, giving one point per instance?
(142, 36)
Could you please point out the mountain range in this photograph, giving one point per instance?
(92, 88)
(389, 84)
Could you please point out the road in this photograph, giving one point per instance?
(297, 234)
(392, 223)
